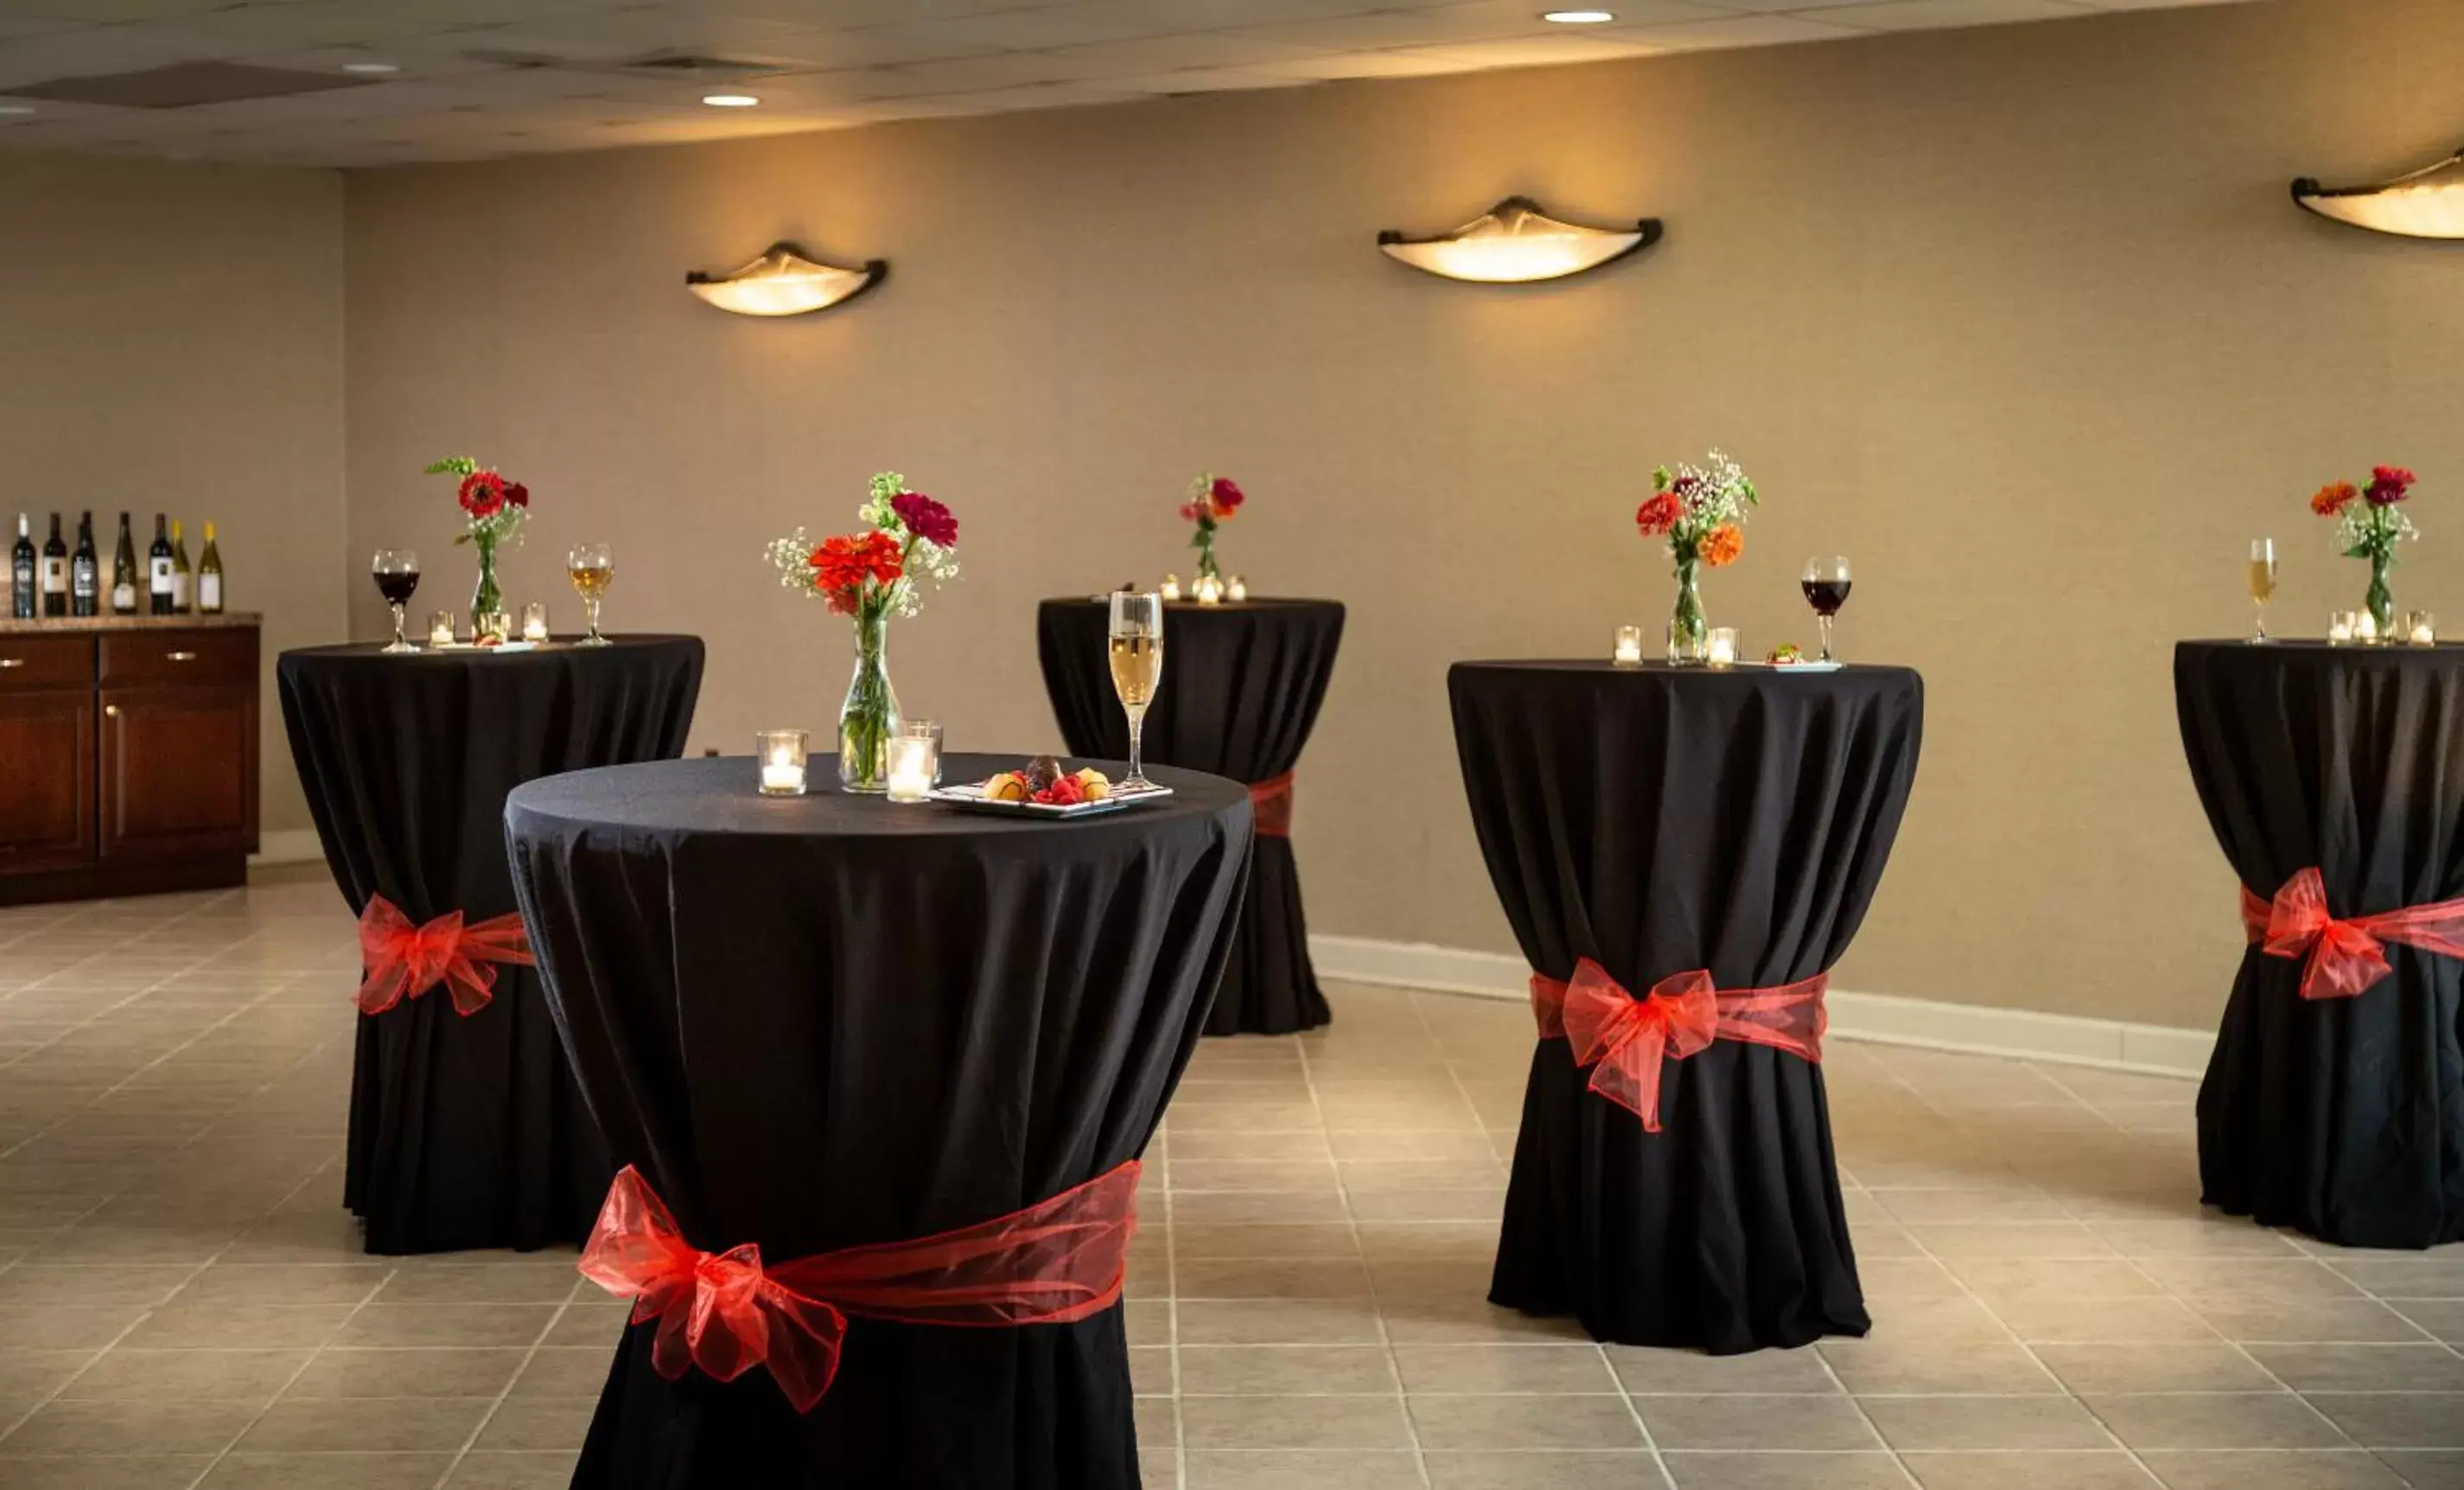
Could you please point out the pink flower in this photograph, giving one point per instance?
(2388, 485)
(926, 518)
(1224, 496)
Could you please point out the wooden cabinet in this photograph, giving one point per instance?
(128, 758)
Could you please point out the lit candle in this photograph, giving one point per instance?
(1724, 646)
(781, 754)
(440, 628)
(1210, 590)
(1171, 590)
(535, 622)
(2424, 634)
(2339, 627)
(1237, 590)
(2365, 626)
(1629, 647)
(911, 761)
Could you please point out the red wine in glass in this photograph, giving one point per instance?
(397, 574)
(1826, 590)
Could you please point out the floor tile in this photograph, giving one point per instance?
(2396, 1419)
(1302, 1470)
(2252, 1420)
(1978, 1423)
(1530, 1421)
(399, 1425)
(1293, 1422)
(2051, 1470)
(321, 1471)
(1741, 1422)
(1600, 1469)
(1752, 1471)
(137, 1425)
(1271, 1371)
(2262, 1469)
(2176, 1366)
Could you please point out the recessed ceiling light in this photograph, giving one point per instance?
(730, 100)
(1578, 18)
(371, 68)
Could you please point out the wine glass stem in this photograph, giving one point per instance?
(594, 617)
(1137, 728)
(398, 638)
(1826, 639)
(2258, 623)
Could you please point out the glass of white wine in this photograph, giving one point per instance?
(1137, 667)
(2262, 584)
(592, 570)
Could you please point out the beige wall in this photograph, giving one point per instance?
(174, 342)
(2019, 318)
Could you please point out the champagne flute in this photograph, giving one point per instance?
(397, 577)
(1826, 590)
(1137, 645)
(592, 570)
(2262, 585)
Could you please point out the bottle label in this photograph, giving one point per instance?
(56, 573)
(123, 597)
(162, 572)
(209, 592)
(179, 590)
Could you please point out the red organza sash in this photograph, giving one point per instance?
(405, 961)
(1270, 805)
(1057, 1260)
(2346, 957)
(1625, 1039)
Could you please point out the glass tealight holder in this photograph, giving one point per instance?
(2339, 627)
(915, 762)
(1208, 591)
(2421, 628)
(535, 622)
(1235, 589)
(780, 754)
(2365, 628)
(931, 730)
(1721, 647)
(1170, 589)
(1629, 648)
(440, 628)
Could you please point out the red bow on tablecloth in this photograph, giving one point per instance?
(2344, 956)
(1057, 1260)
(1270, 803)
(1629, 1038)
(405, 961)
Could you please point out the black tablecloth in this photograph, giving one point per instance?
(815, 1023)
(466, 1132)
(1656, 822)
(1242, 686)
(2344, 1117)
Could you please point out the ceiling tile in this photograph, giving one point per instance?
(1025, 30)
(1047, 95)
(1200, 80)
(1744, 30)
(1532, 52)
(1167, 53)
(1334, 65)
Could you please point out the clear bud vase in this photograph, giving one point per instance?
(2380, 601)
(487, 602)
(869, 718)
(1689, 635)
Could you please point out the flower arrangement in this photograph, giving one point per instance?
(493, 510)
(908, 540)
(1701, 512)
(2368, 526)
(1213, 501)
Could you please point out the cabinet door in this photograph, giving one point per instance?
(47, 786)
(179, 771)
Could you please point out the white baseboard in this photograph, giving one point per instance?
(2115, 1045)
(288, 846)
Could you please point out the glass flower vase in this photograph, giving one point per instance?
(869, 718)
(2381, 600)
(487, 602)
(1688, 633)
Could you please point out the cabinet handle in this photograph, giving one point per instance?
(111, 710)
(180, 656)
(12, 662)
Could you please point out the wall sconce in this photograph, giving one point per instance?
(2424, 203)
(785, 281)
(1517, 243)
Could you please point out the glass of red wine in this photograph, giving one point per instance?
(397, 575)
(1826, 590)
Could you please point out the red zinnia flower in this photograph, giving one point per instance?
(1225, 497)
(1656, 517)
(842, 564)
(2388, 485)
(518, 494)
(2333, 498)
(483, 494)
(926, 518)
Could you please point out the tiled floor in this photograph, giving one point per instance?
(182, 1301)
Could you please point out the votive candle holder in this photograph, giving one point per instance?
(1629, 648)
(780, 756)
(1722, 648)
(913, 761)
(535, 622)
(440, 628)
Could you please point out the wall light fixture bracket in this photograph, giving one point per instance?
(1517, 243)
(785, 280)
(2424, 204)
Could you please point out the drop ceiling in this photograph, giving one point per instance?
(479, 78)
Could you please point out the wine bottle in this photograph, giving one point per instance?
(85, 592)
(158, 569)
(210, 576)
(21, 571)
(123, 573)
(182, 576)
(56, 573)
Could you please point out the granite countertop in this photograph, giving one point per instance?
(71, 625)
